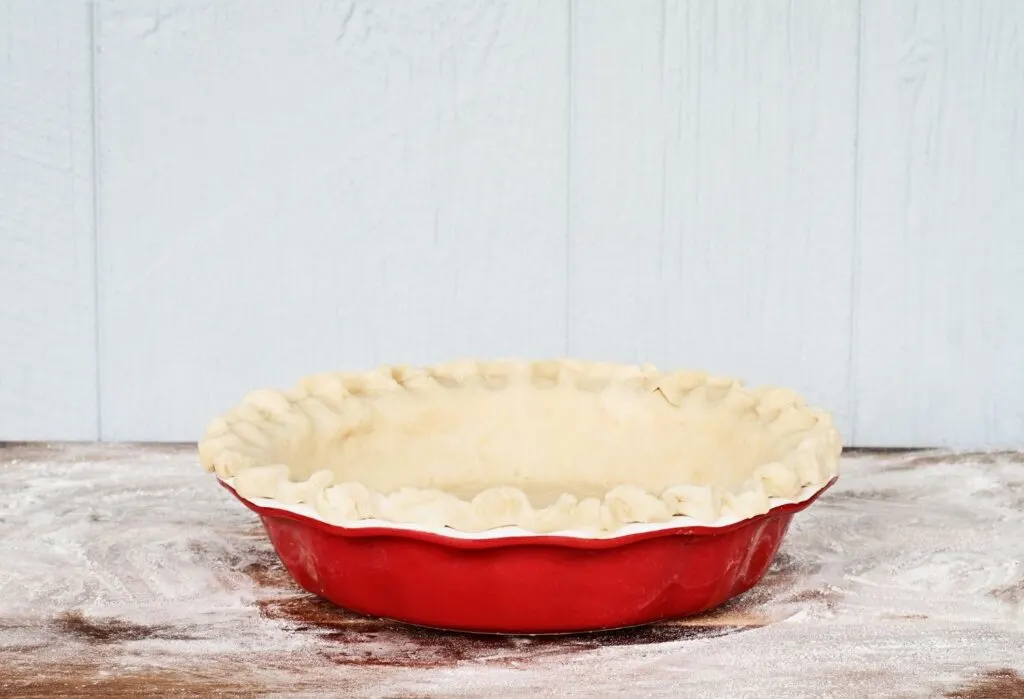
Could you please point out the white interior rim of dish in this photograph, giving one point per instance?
(511, 532)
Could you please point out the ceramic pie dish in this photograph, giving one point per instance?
(524, 497)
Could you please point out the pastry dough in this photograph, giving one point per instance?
(545, 446)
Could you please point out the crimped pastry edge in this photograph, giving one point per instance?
(233, 444)
(511, 531)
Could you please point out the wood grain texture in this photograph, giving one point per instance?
(297, 187)
(47, 309)
(712, 190)
(822, 194)
(153, 581)
(940, 324)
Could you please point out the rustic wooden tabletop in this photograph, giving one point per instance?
(125, 571)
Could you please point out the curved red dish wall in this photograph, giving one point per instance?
(527, 584)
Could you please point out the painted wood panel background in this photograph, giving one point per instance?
(296, 187)
(940, 298)
(824, 194)
(48, 382)
(712, 207)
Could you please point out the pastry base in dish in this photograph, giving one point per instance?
(542, 446)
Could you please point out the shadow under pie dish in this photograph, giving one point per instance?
(524, 497)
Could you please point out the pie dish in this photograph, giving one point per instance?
(544, 462)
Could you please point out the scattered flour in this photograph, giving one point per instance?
(906, 579)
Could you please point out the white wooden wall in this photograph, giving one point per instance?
(199, 197)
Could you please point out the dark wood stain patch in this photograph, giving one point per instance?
(881, 495)
(76, 626)
(968, 457)
(829, 598)
(34, 455)
(266, 571)
(369, 641)
(1012, 593)
(71, 679)
(786, 583)
(881, 451)
(906, 617)
(1004, 683)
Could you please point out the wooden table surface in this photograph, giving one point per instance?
(126, 571)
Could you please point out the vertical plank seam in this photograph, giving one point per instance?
(569, 131)
(855, 246)
(662, 29)
(93, 19)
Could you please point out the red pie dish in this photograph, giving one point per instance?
(524, 497)
(527, 584)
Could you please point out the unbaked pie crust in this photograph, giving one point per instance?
(544, 446)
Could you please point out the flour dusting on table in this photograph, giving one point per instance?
(126, 570)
